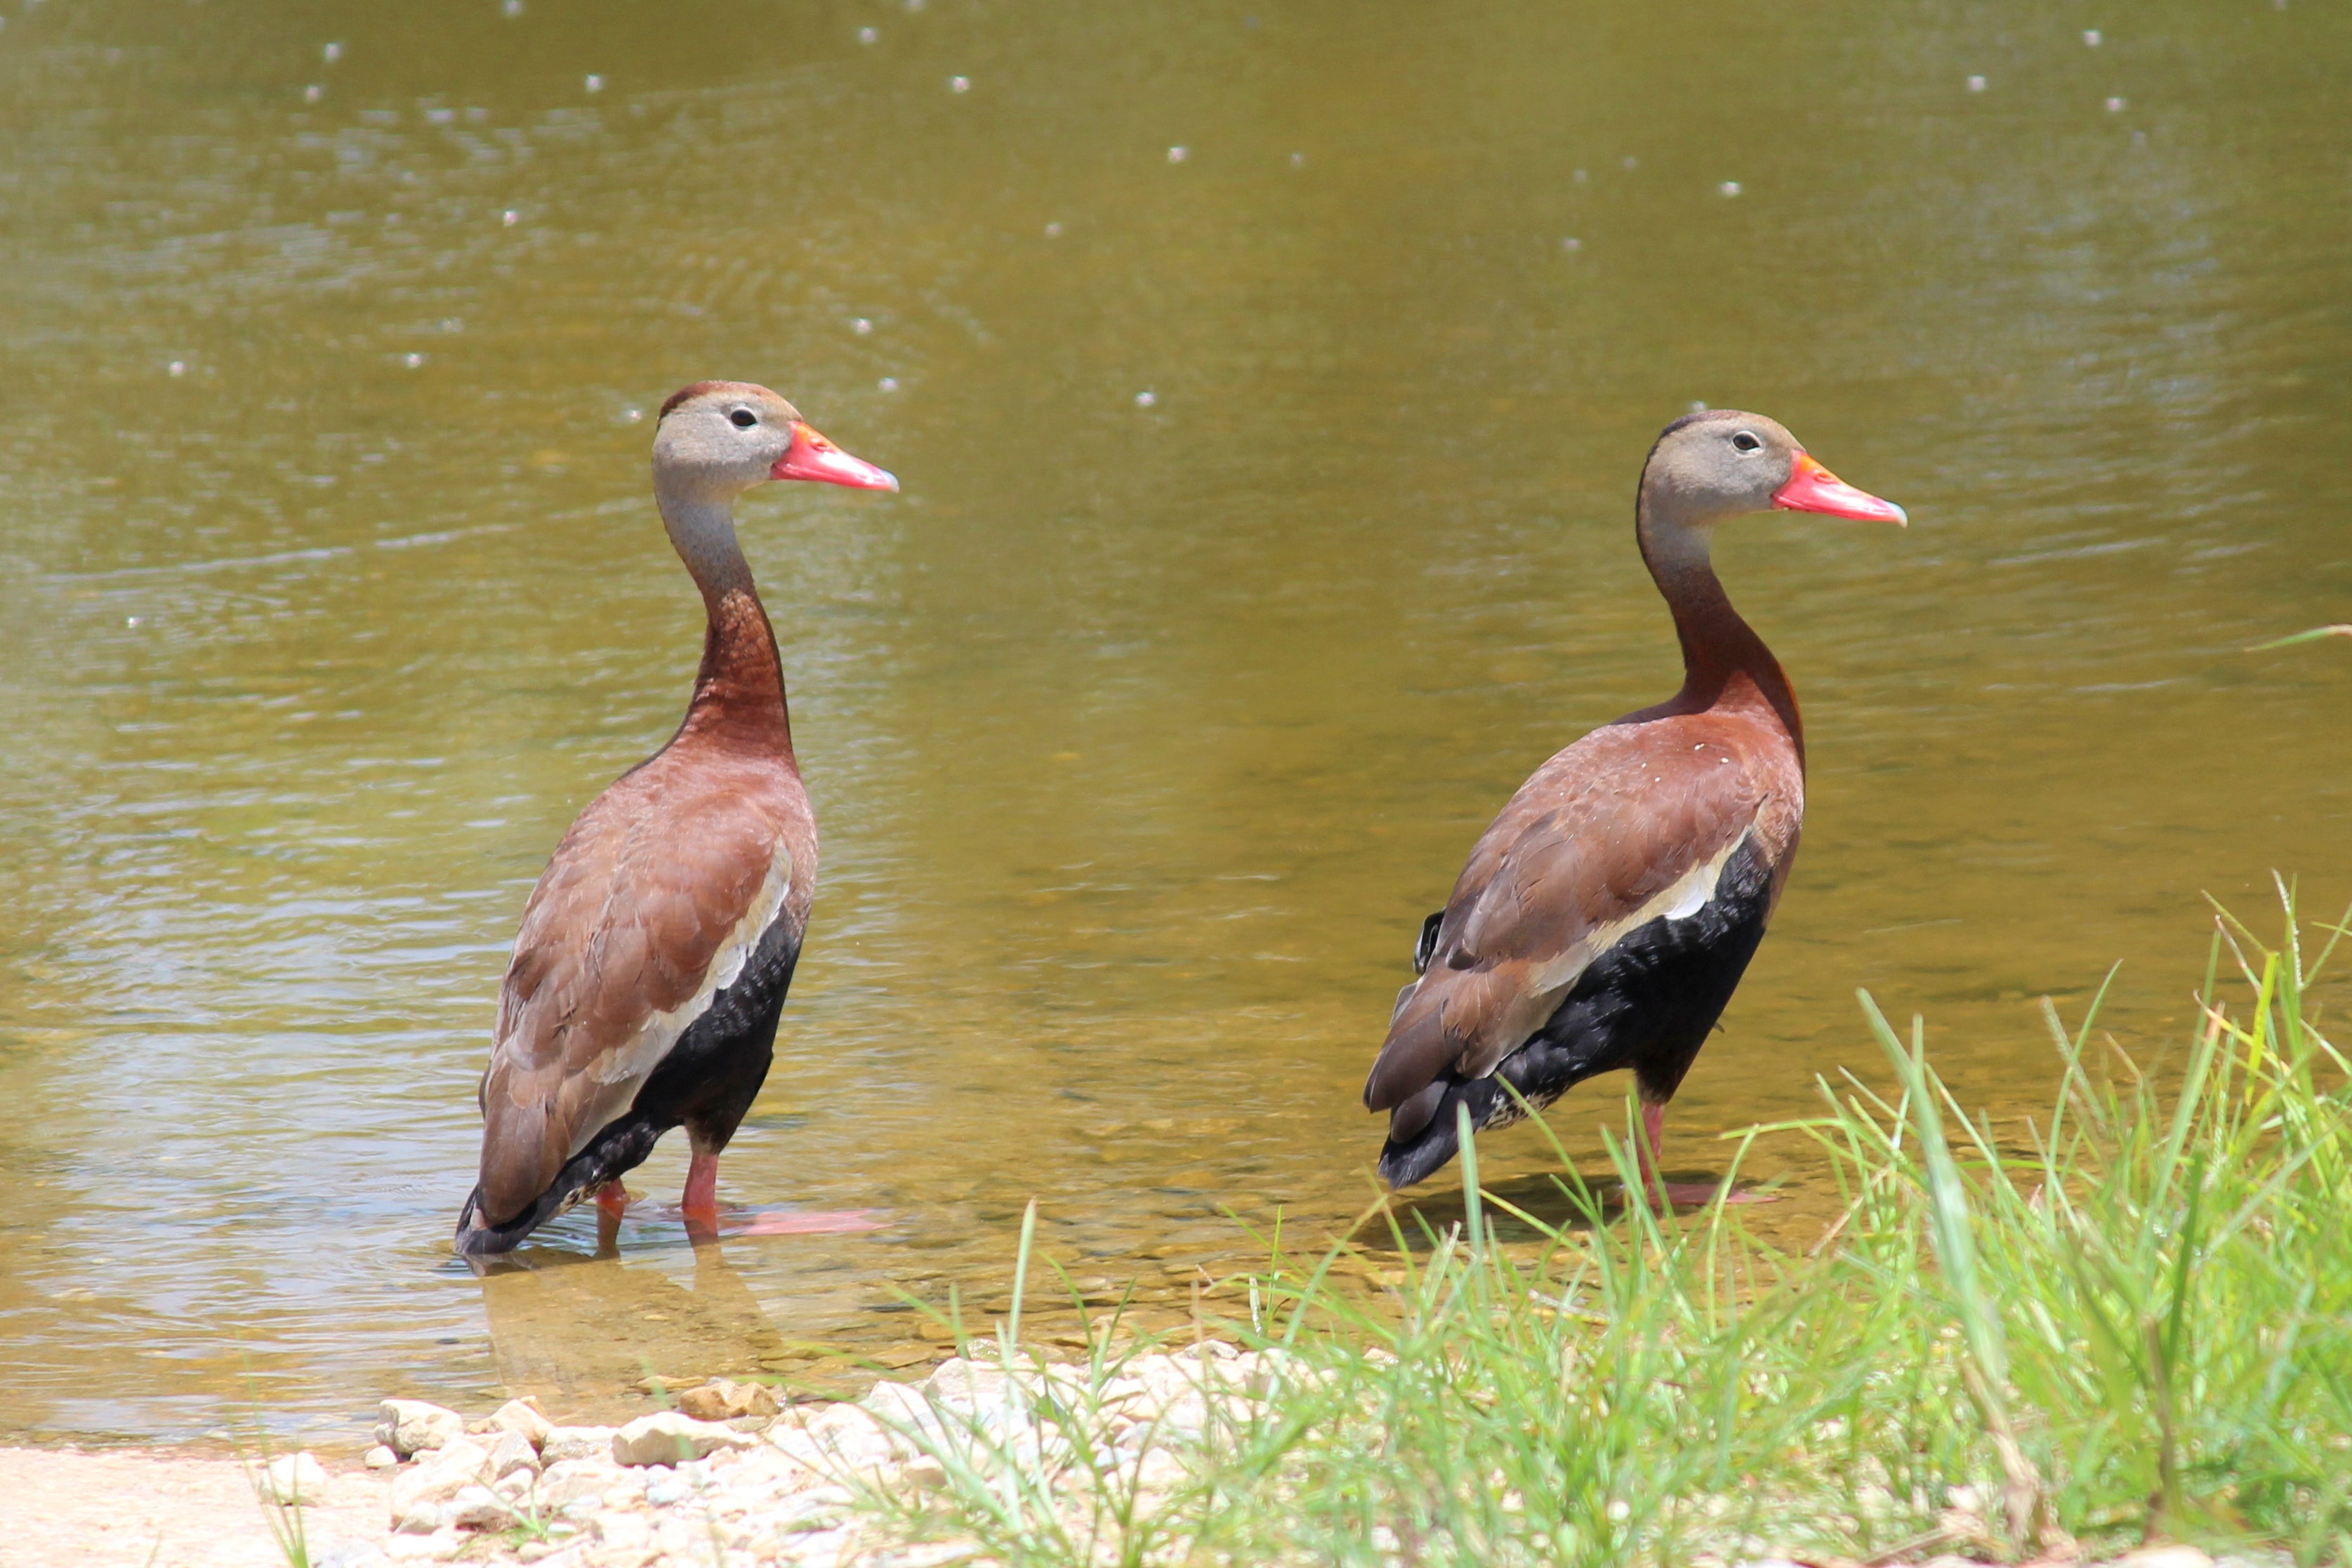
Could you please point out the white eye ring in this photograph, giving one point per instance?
(1746, 441)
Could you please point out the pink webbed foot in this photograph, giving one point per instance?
(841, 1223)
(699, 1208)
(1698, 1194)
(1679, 1194)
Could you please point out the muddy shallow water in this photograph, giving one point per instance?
(1268, 387)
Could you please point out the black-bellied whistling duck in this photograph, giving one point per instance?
(656, 951)
(1605, 916)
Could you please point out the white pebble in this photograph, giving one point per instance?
(2091, 36)
(133, 620)
(331, 53)
(632, 414)
(596, 84)
(1052, 230)
(1729, 187)
(413, 361)
(867, 34)
(889, 384)
(1571, 243)
(861, 325)
(1177, 154)
(176, 368)
(666, 1437)
(2115, 106)
(1975, 84)
(414, 1427)
(314, 93)
(511, 8)
(296, 1477)
(1580, 176)
(1632, 162)
(1298, 160)
(1145, 399)
(958, 83)
(511, 217)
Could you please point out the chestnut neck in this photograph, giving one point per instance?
(738, 692)
(1726, 665)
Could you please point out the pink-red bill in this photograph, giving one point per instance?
(812, 456)
(1814, 488)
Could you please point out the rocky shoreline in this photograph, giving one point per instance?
(729, 1477)
(766, 1484)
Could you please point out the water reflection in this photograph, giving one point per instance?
(576, 1331)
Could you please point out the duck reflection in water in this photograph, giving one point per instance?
(589, 1331)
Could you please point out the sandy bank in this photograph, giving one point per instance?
(727, 1477)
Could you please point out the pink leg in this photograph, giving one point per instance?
(611, 1202)
(1654, 1143)
(701, 1201)
(1653, 1146)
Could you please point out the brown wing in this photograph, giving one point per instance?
(1630, 823)
(656, 894)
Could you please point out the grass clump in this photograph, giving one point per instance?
(2129, 1319)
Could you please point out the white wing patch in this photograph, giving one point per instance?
(625, 1070)
(1685, 896)
(1694, 900)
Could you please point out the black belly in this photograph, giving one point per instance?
(704, 1084)
(1646, 1004)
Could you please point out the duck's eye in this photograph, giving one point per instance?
(744, 418)
(1746, 442)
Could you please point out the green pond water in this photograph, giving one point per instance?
(1266, 520)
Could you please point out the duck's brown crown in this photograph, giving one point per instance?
(684, 395)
